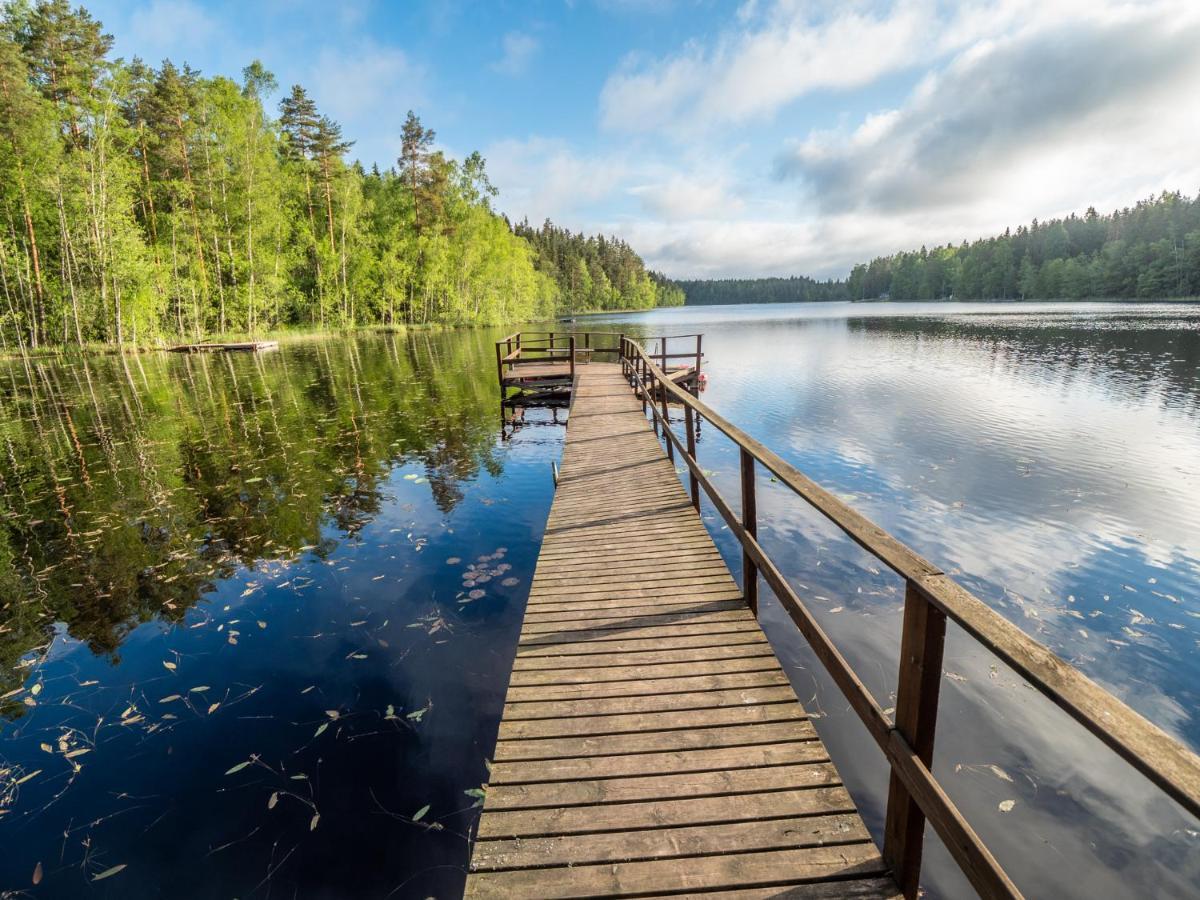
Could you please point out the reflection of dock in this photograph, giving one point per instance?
(651, 743)
(211, 347)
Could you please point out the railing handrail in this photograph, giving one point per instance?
(931, 597)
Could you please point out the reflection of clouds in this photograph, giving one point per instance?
(1055, 491)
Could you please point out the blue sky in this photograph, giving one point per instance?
(742, 138)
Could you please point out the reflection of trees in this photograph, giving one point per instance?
(1127, 350)
(127, 489)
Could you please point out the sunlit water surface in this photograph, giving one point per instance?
(258, 612)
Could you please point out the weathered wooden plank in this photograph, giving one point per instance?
(554, 795)
(676, 761)
(664, 813)
(647, 686)
(680, 642)
(644, 657)
(578, 726)
(562, 709)
(697, 873)
(840, 889)
(659, 632)
(599, 675)
(655, 741)
(666, 843)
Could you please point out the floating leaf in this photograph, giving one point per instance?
(107, 873)
(37, 873)
(1007, 805)
(321, 729)
(47, 748)
(420, 813)
(1000, 773)
(167, 664)
(79, 752)
(30, 775)
(213, 707)
(239, 767)
(274, 799)
(332, 713)
(36, 689)
(312, 826)
(198, 689)
(170, 698)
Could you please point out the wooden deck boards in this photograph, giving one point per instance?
(651, 744)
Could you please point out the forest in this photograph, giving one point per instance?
(140, 205)
(796, 289)
(1147, 251)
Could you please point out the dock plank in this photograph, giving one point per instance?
(651, 744)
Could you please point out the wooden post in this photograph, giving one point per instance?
(500, 369)
(587, 339)
(571, 350)
(750, 523)
(696, 378)
(667, 426)
(691, 445)
(922, 639)
(640, 371)
(664, 356)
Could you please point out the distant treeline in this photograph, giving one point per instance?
(1146, 251)
(797, 289)
(139, 205)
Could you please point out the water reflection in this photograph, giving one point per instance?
(1048, 457)
(257, 616)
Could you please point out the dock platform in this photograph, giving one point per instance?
(651, 743)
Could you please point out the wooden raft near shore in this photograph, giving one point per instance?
(651, 744)
(210, 347)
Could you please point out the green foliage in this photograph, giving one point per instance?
(797, 289)
(1147, 251)
(597, 273)
(141, 205)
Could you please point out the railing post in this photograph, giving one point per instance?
(667, 424)
(640, 371)
(691, 445)
(571, 350)
(750, 524)
(696, 379)
(500, 369)
(922, 639)
(587, 339)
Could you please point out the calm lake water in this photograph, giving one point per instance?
(257, 612)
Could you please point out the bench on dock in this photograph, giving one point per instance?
(651, 744)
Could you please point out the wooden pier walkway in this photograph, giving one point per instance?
(651, 744)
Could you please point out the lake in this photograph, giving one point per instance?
(258, 611)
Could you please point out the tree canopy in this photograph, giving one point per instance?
(142, 204)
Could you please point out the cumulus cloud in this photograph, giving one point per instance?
(1070, 107)
(518, 50)
(172, 25)
(544, 177)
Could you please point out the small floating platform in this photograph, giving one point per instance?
(210, 347)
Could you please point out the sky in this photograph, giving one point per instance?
(734, 139)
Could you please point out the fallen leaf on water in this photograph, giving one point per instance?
(169, 665)
(36, 689)
(1007, 805)
(213, 708)
(420, 813)
(274, 799)
(109, 872)
(239, 767)
(312, 826)
(321, 729)
(1000, 773)
(30, 775)
(332, 713)
(37, 873)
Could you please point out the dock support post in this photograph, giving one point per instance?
(922, 640)
(750, 524)
(571, 350)
(689, 423)
(696, 379)
(500, 369)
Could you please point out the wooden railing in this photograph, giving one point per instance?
(539, 347)
(931, 598)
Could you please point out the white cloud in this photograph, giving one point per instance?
(358, 85)
(519, 49)
(543, 178)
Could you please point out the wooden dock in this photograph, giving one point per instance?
(651, 744)
(213, 346)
